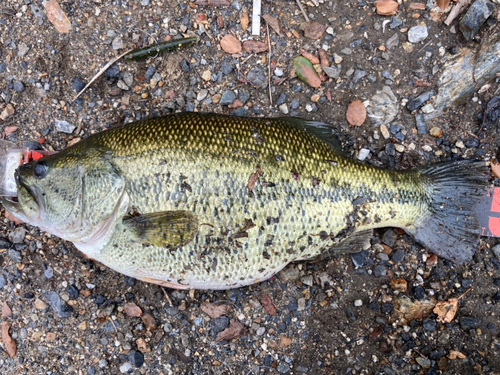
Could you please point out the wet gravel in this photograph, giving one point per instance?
(341, 314)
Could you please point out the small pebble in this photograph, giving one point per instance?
(136, 358)
(379, 271)
(417, 34)
(150, 72)
(359, 259)
(118, 43)
(112, 72)
(126, 367)
(202, 94)
(59, 307)
(284, 109)
(363, 154)
(18, 86)
(281, 99)
(436, 132)
(64, 126)
(429, 324)
(227, 97)
(17, 235)
(257, 77)
(358, 303)
(469, 322)
(337, 59)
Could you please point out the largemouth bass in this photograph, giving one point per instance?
(208, 201)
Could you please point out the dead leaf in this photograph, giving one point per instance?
(399, 284)
(409, 310)
(213, 310)
(495, 168)
(9, 129)
(254, 177)
(417, 6)
(57, 16)
(149, 321)
(244, 21)
(446, 310)
(443, 4)
(235, 329)
(273, 22)
(311, 57)
(131, 309)
(313, 30)
(10, 345)
(254, 46)
(386, 7)
(454, 354)
(285, 341)
(6, 310)
(268, 305)
(14, 219)
(323, 57)
(305, 71)
(230, 44)
(356, 113)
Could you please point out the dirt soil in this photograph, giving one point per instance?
(338, 315)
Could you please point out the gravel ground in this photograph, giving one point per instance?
(364, 313)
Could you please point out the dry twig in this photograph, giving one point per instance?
(104, 68)
(302, 10)
(456, 11)
(269, 63)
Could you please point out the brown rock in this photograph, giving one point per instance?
(436, 132)
(57, 16)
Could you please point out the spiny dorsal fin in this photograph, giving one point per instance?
(318, 129)
(163, 229)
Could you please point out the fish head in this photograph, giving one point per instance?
(70, 195)
(49, 193)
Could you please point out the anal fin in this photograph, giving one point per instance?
(163, 229)
(352, 244)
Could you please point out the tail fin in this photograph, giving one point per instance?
(452, 229)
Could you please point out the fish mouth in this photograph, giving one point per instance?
(31, 191)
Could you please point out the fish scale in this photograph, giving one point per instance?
(240, 198)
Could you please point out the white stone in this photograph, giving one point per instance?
(417, 34)
(363, 154)
(358, 303)
(284, 108)
(64, 126)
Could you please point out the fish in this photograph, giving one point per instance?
(212, 201)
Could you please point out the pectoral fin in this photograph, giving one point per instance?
(164, 229)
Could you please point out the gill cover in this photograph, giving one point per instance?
(71, 194)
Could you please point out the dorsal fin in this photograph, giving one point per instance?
(318, 129)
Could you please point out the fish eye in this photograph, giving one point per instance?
(40, 170)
